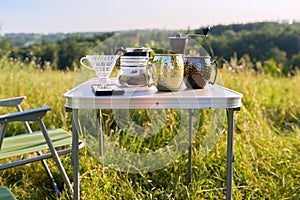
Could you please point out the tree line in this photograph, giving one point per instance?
(273, 45)
(265, 46)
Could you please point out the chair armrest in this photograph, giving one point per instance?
(28, 115)
(12, 102)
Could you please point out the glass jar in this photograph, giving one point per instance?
(133, 70)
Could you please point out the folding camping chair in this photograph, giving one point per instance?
(30, 142)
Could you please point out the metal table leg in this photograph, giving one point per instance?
(190, 144)
(75, 153)
(230, 156)
(101, 139)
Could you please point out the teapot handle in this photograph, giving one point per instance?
(81, 62)
(215, 63)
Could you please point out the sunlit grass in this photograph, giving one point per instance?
(267, 145)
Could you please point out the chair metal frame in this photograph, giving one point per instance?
(34, 115)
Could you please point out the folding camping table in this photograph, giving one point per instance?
(212, 96)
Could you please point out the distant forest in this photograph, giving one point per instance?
(265, 46)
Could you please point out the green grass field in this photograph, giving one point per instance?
(266, 145)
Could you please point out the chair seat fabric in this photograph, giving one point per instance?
(29, 143)
(5, 194)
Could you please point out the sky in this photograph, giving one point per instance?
(67, 16)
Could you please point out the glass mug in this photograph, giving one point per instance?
(165, 72)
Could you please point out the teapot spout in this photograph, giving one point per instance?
(120, 49)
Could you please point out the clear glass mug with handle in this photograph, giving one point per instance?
(165, 71)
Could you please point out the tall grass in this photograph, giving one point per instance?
(266, 145)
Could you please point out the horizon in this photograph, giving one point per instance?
(73, 16)
(113, 31)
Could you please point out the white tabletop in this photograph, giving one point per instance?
(212, 96)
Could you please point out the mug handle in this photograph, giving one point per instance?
(215, 63)
(81, 62)
(150, 75)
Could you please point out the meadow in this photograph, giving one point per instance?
(266, 144)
